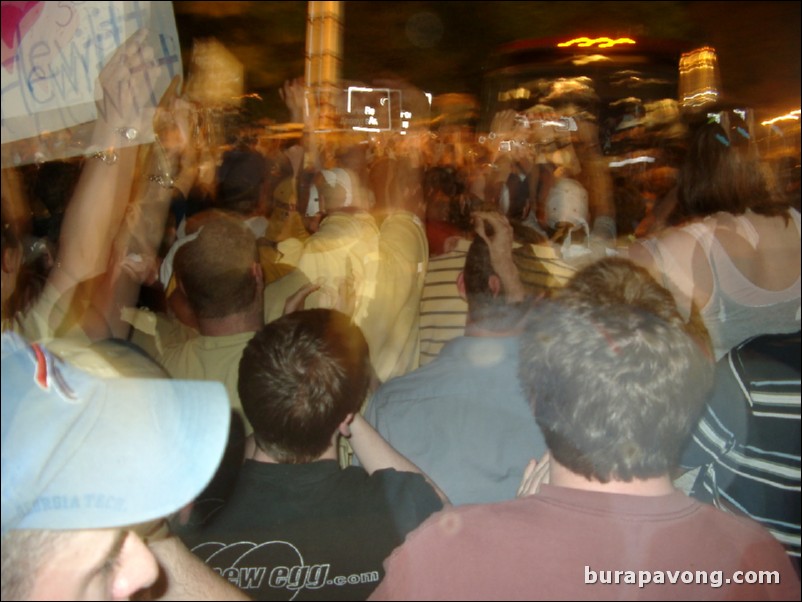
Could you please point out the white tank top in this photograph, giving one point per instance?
(737, 308)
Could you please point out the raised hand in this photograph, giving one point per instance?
(293, 93)
(125, 93)
(535, 475)
(497, 232)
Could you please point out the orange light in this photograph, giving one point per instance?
(601, 42)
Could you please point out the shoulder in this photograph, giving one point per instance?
(443, 374)
(404, 408)
(402, 236)
(671, 249)
(678, 236)
(403, 220)
(736, 532)
(410, 385)
(441, 532)
(453, 260)
(409, 499)
(406, 486)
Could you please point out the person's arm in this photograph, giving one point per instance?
(640, 254)
(375, 453)
(676, 261)
(97, 206)
(133, 260)
(303, 111)
(596, 179)
(295, 302)
(499, 238)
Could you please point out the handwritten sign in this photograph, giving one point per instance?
(52, 53)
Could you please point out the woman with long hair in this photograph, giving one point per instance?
(735, 258)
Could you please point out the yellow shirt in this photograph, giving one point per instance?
(444, 312)
(188, 355)
(391, 323)
(385, 268)
(46, 319)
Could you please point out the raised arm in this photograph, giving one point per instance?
(496, 230)
(97, 207)
(163, 168)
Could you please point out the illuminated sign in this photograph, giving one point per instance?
(377, 110)
(600, 42)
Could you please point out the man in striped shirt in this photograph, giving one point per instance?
(748, 442)
(443, 311)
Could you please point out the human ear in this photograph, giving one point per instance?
(494, 283)
(137, 568)
(461, 286)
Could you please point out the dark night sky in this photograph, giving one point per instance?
(441, 46)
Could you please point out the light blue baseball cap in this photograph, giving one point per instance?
(81, 451)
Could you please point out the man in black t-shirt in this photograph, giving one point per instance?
(297, 526)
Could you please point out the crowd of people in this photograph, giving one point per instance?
(420, 366)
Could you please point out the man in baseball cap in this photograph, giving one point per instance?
(87, 457)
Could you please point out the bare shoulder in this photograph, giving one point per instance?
(675, 241)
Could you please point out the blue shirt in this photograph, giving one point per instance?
(463, 419)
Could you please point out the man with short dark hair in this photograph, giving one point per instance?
(297, 524)
(615, 390)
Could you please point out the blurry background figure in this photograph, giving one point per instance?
(443, 191)
(566, 215)
(241, 175)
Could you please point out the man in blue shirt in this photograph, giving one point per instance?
(463, 418)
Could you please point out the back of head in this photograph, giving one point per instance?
(216, 269)
(405, 187)
(615, 280)
(722, 172)
(12, 254)
(442, 182)
(567, 203)
(336, 188)
(240, 177)
(615, 387)
(298, 380)
(54, 184)
(442, 187)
